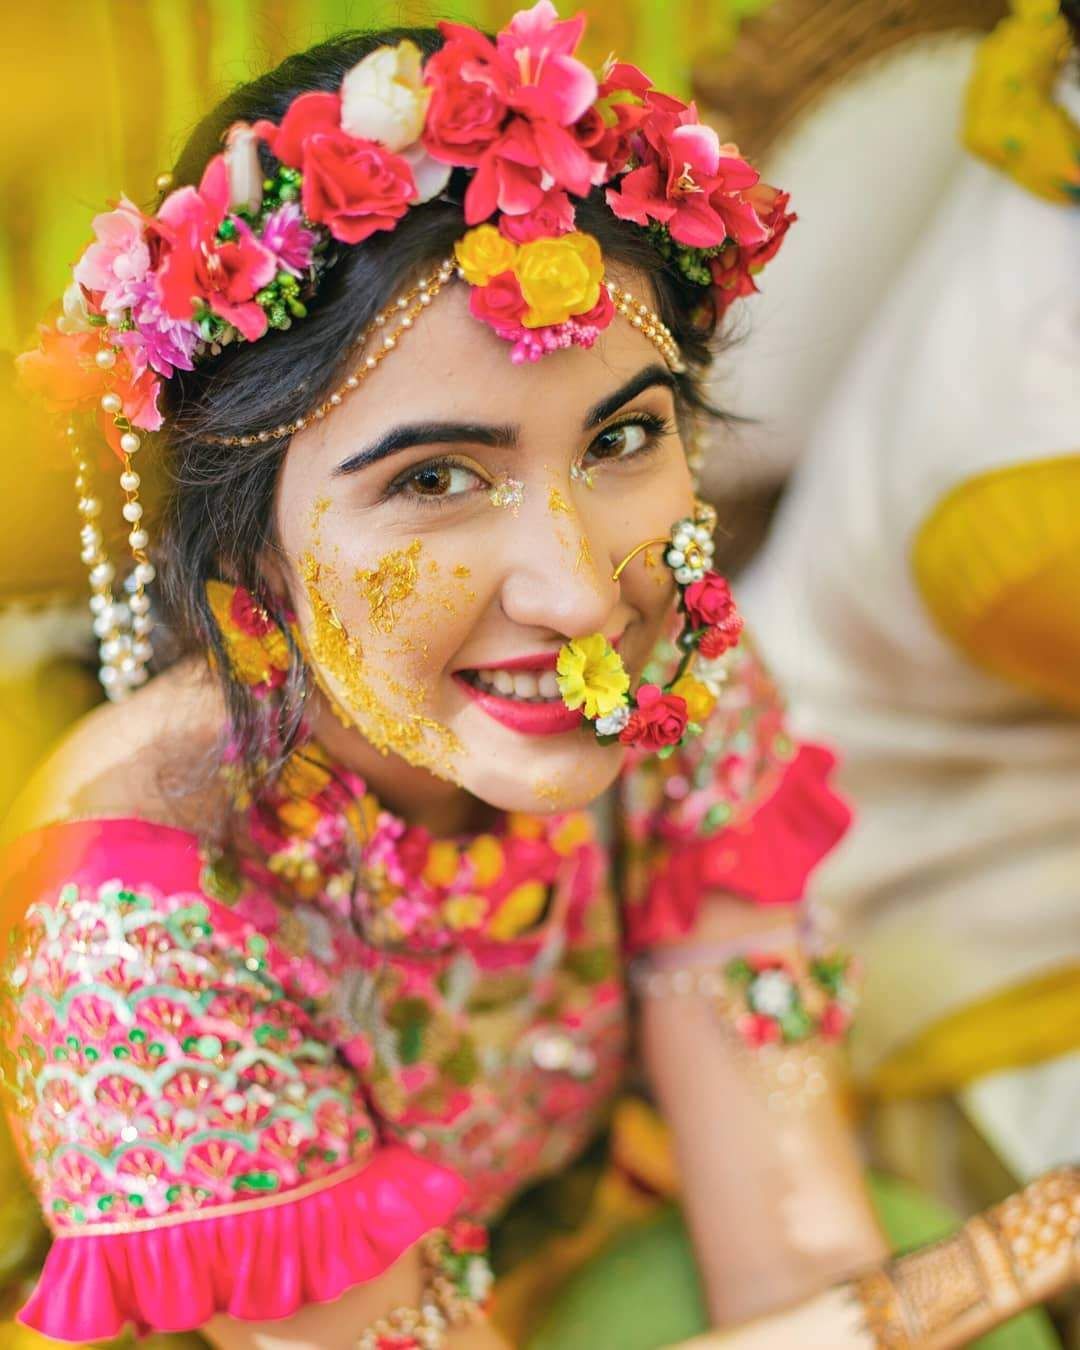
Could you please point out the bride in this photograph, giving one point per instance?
(330, 938)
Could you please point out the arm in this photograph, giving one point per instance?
(774, 1197)
(943, 1296)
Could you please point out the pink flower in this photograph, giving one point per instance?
(500, 303)
(287, 238)
(553, 85)
(554, 216)
(120, 259)
(505, 109)
(158, 340)
(224, 273)
(687, 180)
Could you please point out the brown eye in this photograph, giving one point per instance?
(439, 480)
(626, 439)
(433, 480)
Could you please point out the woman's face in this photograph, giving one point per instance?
(453, 523)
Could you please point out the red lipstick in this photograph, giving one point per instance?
(551, 718)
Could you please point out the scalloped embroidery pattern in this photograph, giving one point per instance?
(157, 1070)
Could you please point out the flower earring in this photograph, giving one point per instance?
(257, 647)
(591, 675)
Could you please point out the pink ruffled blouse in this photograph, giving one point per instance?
(242, 1084)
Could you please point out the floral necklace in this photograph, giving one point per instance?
(324, 834)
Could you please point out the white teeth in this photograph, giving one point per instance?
(522, 684)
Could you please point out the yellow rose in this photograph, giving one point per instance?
(483, 253)
(700, 699)
(591, 676)
(559, 277)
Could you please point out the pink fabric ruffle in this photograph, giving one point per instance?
(765, 858)
(265, 1263)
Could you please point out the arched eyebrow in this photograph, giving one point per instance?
(500, 436)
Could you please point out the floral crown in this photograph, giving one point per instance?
(529, 126)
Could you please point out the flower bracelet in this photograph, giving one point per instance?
(457, 1282)
(592, 677)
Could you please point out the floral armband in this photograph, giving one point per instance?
(457, 1281)
(787, 1010)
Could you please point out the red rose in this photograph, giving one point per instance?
(499, 303)
(708, 601)
(354, 187)
(464, 1236)
(834, 1021)
(659, 719)
(716, 641)
(759, 1030)
(469, 89)
(553, 217)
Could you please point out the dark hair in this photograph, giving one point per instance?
(219, 518)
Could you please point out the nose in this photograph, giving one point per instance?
(560, 577)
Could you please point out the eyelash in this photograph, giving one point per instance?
(657, 428)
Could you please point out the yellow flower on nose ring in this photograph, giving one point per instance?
(591, 676)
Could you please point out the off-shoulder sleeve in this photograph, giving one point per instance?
(196, 1145)
(741, 809)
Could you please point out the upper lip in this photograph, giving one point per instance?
(532, 661)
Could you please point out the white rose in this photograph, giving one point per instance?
(383, 97)
(75, 317)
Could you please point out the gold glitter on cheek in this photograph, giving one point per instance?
(390, 583)
(579, 474)
(584, 556)
(391, 719)
(661, 575)
(507, 492)
(318, 510)
(462, 572)
(557, 503)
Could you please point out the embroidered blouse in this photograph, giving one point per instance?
(242, 1084)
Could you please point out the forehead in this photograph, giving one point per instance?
(450, 365)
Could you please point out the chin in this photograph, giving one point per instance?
(569, 777)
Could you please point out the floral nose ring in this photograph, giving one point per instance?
(592, 677)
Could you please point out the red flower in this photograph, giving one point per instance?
(470, 89)
(758, 1030)
(353, 186)
(506, 109)
(552, 217)
(708, 601)
(687, 180)
(464, 1236)
(835, 1020)
(734, 269)
(223, 273)
(500, 303)
(658, 720)
(716, 641)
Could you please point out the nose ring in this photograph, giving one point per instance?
(649, 543)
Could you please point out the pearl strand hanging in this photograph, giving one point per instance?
(122, 624)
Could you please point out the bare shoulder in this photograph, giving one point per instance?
(154, 756)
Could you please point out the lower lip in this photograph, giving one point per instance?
(531, 719)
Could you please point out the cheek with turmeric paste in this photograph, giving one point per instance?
(388, 705)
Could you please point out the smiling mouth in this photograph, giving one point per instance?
(530, 705)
